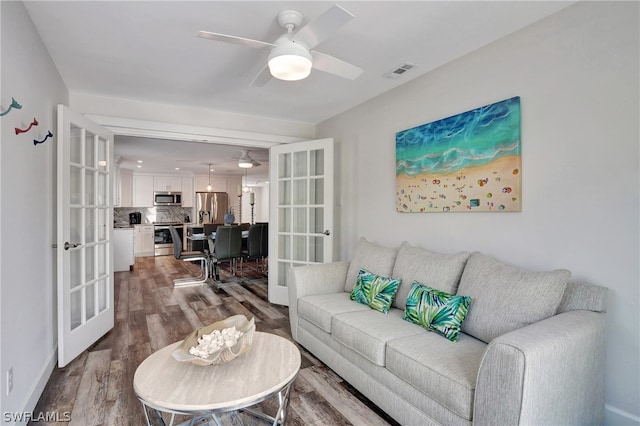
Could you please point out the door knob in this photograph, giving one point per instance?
(327, 232)
(68, 245)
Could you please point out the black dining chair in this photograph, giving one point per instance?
(254, 249)
(228, 246)
(264, 250)
(189, 256)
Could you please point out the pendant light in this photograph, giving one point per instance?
(209, 187)
(245, 188)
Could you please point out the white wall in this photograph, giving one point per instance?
(27, 286)
(577, 75)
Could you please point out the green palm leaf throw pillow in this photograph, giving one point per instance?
(436, 310)
(376, 291)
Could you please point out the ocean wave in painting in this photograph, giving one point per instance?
(473, 138)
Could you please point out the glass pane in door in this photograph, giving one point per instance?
(90, 258)
(300, 164)
(75, 183)
(300, 220)
(89, 226)
(103, 224)
(75, 267)
(75, 307)
(89, 188)
(316, 162)
(102, 294)
(89, 150)
(284, 165)
(300, 248)
(75, 145)
(90, 294)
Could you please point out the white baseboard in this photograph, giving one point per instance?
(615, 417)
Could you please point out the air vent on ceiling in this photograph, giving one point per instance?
(399, 71)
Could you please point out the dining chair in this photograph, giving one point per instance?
(228, 246)
(264, 249)
(189, 256)
(254, 247)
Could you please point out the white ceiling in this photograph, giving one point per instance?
(147, 50)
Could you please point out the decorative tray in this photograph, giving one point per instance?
(217, 343)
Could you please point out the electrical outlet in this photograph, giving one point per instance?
(9, 380)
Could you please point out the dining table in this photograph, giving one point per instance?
(210, 239)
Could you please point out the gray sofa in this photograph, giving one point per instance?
(530, 350)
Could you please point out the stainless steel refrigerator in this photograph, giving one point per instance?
(211, 206)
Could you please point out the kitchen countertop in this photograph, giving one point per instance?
(128, 226)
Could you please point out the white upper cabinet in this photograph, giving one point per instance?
(187, 192)
(167, 183)
(126, 190)
(143, 187)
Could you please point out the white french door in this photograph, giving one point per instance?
(84, 231)
(301, 210)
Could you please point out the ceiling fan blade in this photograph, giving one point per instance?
(332, 65)
(322, 27)
(256, 44)
(262, 78)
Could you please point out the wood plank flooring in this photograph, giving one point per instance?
(96, 389)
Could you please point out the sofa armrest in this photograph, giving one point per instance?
(550, 372)
(323, 278)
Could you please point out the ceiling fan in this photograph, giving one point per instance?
(245, 161)
(291, 57)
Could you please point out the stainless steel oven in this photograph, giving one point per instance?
(162, 237)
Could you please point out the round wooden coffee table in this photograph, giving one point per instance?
(269, 368)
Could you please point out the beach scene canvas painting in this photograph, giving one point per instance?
(469, 162)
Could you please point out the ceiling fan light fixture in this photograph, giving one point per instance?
(245, 162)
(290, 62)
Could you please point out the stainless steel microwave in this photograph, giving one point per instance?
(163, 198)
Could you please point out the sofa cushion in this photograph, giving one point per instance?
(435, 310)
(442, 370)
(367, 332)
(319, 309)
(439, 271)
(506, 298)
(375, 291)
(373, 258)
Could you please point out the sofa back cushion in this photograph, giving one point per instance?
(439, 271)
(505, 298)
(376, 259)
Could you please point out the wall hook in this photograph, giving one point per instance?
(49, 135)
(33, 123)
(14, 104)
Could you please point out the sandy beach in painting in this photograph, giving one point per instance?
(491, 187)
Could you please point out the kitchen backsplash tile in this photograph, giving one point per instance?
(153, 214)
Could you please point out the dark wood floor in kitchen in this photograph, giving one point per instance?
(97, 387)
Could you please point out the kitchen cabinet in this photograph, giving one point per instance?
(123, 253)
(126, 190)
(187, 192)
(143, 242)
(218, 184)
(230, 185)
(142, 191)
(167, 183)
